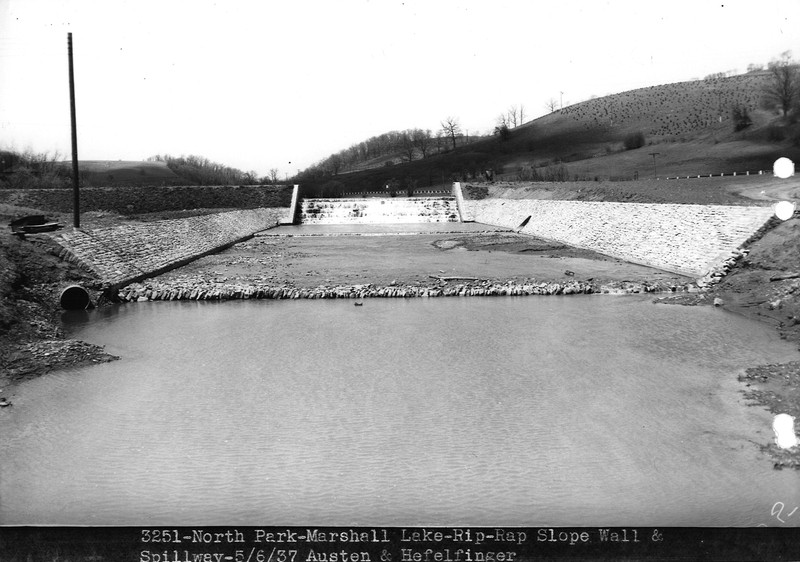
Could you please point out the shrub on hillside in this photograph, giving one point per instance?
(776, 133)
(556, 172)
(741, 118)
(28, 170)
(410, 185)
(796, 137)
(634, 140)
(476, 191)
(503, 132)
(332, 188)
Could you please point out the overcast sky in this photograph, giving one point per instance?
(285, 83)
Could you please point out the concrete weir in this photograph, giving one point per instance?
(379, 210)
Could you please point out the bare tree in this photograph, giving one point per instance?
(552, 104)
(407, 145)
(512, 116)
(273, 175)
(521, 114)
(782, 89)
(451, 128)
(335, 164)
(422, 140)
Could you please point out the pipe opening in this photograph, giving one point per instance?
(75, 297)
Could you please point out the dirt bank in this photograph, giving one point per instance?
(31, 340)
(765, 286)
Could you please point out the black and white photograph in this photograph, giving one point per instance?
(399, 264)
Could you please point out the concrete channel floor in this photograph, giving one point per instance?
(405, 254)
(381, 229)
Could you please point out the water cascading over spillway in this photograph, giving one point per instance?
(379, 210)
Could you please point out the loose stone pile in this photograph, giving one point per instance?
(718, 272)
(203, 291)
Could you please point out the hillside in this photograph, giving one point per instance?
(125, 172)
(28, 170)
(690, 125)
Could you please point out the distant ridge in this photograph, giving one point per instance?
(685, 128)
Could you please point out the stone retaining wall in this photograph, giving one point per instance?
(378, 211)
(132, 200)
(123, 254)
(686, 239)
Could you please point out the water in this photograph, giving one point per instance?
(461, 411)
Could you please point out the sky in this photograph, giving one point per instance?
(283, 84)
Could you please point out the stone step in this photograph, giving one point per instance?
(379, 210)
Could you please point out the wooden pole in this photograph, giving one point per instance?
(76, 213)
(655, 170)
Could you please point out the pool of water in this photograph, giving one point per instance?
(579, 410)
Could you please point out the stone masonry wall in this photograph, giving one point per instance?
(128, 200)
(383, 210)
(122, 254)
(686, 239)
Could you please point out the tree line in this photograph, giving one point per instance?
(782, 90)
(394, 147)
(32, 170)
(199, 170)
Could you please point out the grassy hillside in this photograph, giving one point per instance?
(690, 125)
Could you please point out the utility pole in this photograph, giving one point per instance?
(655, 172)
(562, 101)
(76, 212)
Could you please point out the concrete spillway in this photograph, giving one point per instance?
(379, 210)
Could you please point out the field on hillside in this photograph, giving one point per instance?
(671, 110)
(99, 173)
(690, 126)
(682, 159)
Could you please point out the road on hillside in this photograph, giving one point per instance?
(772, 189)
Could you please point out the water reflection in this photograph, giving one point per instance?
(528, 411)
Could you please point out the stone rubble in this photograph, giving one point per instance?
(202, 290)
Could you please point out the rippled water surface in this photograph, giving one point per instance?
(481, 411)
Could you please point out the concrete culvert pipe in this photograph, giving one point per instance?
(75, 297)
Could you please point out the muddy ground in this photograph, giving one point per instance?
(765, 286)
(398, 260)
